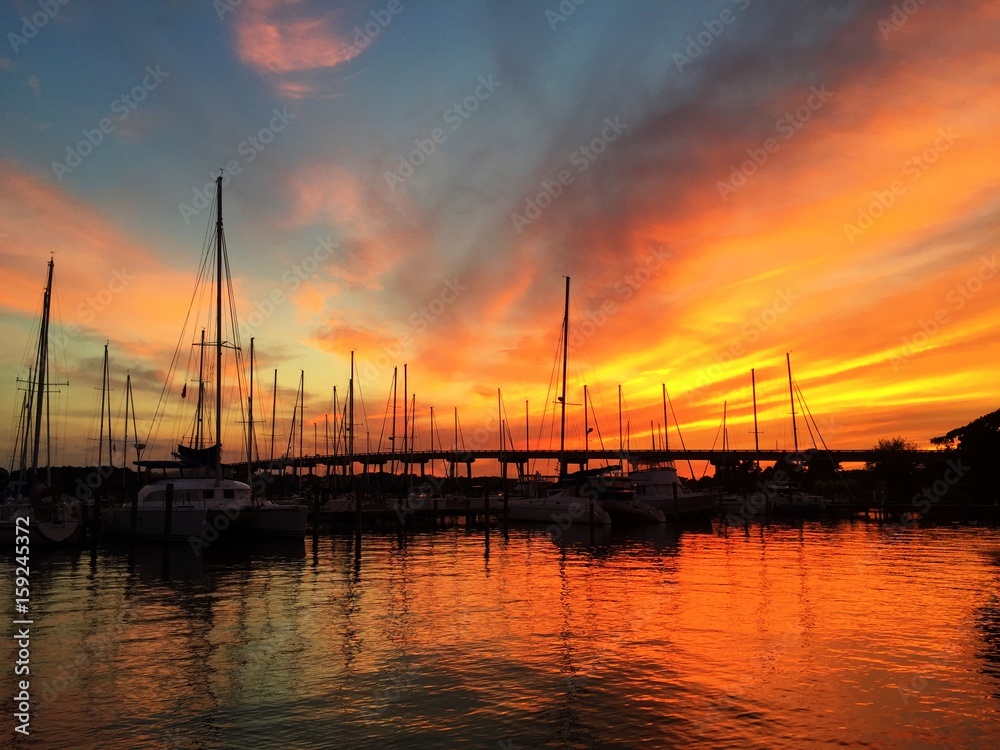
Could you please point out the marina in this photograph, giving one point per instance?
(612, 375)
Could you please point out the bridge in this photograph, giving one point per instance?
(417, 460)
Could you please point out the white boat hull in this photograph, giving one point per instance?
(186, 523)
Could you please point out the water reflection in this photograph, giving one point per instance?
(786, 635)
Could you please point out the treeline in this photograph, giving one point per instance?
(966, 470)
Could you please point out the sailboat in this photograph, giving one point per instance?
(786, 498)
(203, 505)
(31, 508)
(659, 486)
(575, 498)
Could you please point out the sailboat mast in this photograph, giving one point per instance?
(621, 435)
(666, 430)
(791, 395)
(250, 419)
(302, 417)
(42, 362)
(274, 404)
(104, 396)
(392, 438)
(562, 399)
(128, 391)
(405, 412)
(218, 330)
(586, 427)
(756, 434)
(350, 423)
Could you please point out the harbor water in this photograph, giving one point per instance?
(783, 635)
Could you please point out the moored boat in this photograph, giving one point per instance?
(31, 506)
(661, 488)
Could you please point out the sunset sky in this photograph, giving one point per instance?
(724, 182)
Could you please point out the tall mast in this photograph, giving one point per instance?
(218, 330)
(500, 420)
(405, 413)
(250, 420)
(725, 440)
(756, 434)
(586, 427)
(527, 434)
(791, 395)
(302, 417)
(392, 438)
(274, 403)
(104, 397)
(621, 435)
(350, 423)
(406, 427)
(562, 399)
(454, 463)
(666, 431)
(336, 410)
(128, 392)
(42, 363)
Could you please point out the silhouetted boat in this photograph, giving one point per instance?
(661, 488)
(574, 498)
(206, 506)
(32, 511)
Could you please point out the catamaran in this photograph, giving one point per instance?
(205, 505)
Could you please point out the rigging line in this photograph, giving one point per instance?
(597, 425)
(714, 442)
(364, 416)
(677, 426)
(798, 393)
(505, 428)
(153, 431)
(836, 466)
(385, 417)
